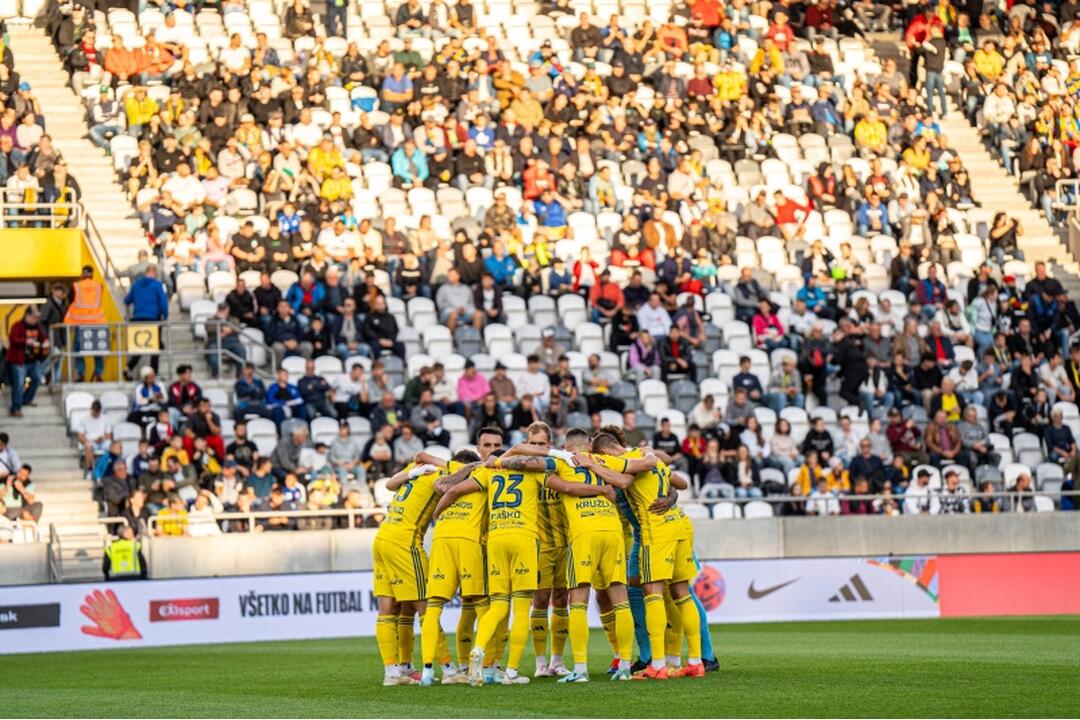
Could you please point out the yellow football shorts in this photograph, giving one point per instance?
(513, 564)
(456, 562)
(552, 567)
(400, 571)
(668, 561)
(597, 559)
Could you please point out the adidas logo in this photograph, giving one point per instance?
(848, 592)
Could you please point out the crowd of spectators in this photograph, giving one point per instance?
(734, 150)
(1019, 81)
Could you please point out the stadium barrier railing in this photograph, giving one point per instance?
(154, 521)
(122, 340)
(251, 518)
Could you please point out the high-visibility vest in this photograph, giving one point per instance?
(123, 558)
(86, 308)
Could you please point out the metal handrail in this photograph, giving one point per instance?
(352, 513)
(251, 517)
(1069, 188)
(848, 497)
(26, 214)
(169, 352)
(56, 569)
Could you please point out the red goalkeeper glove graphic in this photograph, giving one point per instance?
(109, 617)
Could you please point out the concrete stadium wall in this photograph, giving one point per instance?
(330, 551)
(24, 564)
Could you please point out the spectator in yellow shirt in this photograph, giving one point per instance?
(324, 158)
(871, 133)
(173, 518)
(988, 61)
(338, 186)
(729, 83)
(139, 108)
(769, 56)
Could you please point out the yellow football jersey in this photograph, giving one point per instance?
(513, 500)
(465, 518)
(586, 514)
(646, 488)
(552, 519)
(410, 511)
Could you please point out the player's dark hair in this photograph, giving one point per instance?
(465, 456)
(603, 441)
(576, 433)
(614, 431)
(490, 430)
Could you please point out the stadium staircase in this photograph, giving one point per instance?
(41, 440)
(997, 191)
(37, 63)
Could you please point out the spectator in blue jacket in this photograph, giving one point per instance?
(249, 395)
(815, 298)
(305, 297)
(283, 398)
(410, 166)
(501, 266)
(286, 333)
(873, 217)
(148, 303)
(550, 213)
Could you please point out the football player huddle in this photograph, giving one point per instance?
(526, 536)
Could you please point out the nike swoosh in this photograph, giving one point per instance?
(756, 594)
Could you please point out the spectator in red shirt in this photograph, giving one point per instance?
(709, 11)
(605, 298)
(537, 178)
(790, 216)
(28, 345)
(780, 32)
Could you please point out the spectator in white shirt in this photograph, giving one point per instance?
(94, 433)
(821, 501)
(918, 499)
(535, 382)
(654, 317)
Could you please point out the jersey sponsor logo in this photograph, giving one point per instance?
(755, 594)
(184, 609)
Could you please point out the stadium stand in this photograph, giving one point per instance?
(739, 232)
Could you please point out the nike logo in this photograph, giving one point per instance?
(755, 594)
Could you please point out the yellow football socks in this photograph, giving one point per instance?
(429, 631)
(538, 624)
(519, 629)
(492, 622)
(405, 639)
(656, 624)
(674, 631)
(560, 630)
(624, 632)
(466, 630)
(579, 632)
(386, 637)
(607, 619)
(691, 625)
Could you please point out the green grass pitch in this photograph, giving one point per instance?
(933, 668)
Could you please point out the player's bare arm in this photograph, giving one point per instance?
(611, 477)
(662, 505)
(580, 489)
(448, 481)
(525, 450)
(399, 478)
(423, 457)
(642, 464)
(522, 463)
